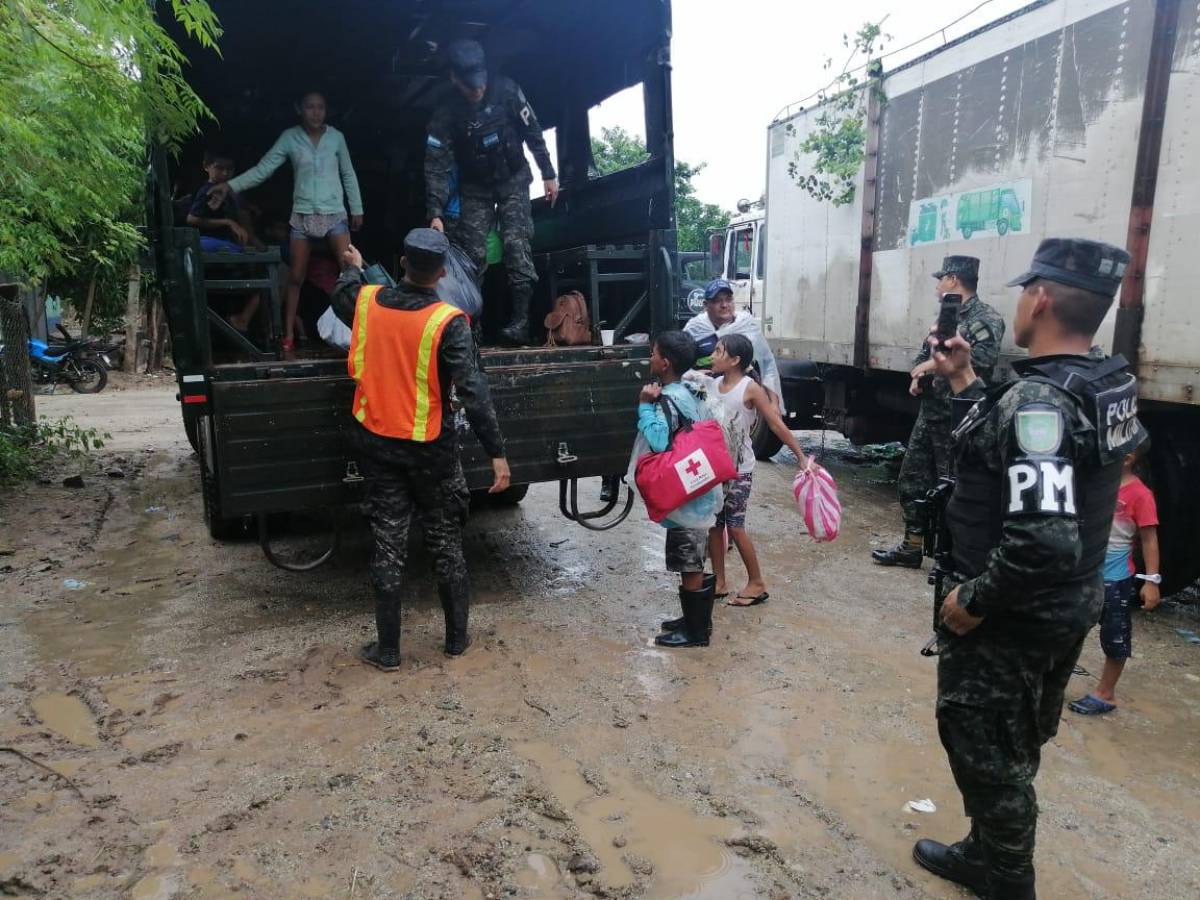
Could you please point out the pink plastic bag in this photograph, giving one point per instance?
(816, 495)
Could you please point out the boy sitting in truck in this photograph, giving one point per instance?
(223, 230)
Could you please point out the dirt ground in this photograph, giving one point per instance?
(193, 723)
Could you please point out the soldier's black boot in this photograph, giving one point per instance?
(1003, 889)
(384, 653)
(455, 607)
(906, 554)
(710, 580)
(961, 862)
(697, 620)
(516, 332)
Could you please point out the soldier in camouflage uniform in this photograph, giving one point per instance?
(928, 455)
(417, 477)
(1038, 469)
(483, 125)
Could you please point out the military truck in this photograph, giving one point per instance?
(1064, 119)
(270, 431)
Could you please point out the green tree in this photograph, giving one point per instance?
(617, 149)
(83, 85)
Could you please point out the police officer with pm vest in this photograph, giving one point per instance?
(406, 350)
(1038, 468)
(483, 126)
(928, 455)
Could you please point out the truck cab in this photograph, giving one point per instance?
(269, 430)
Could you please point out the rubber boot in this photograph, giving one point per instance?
(516, 332)
(456, 610)
(697, 620)
(384, 653)
(962, 862)
(906, 554)
(1011, 890)
(710, 580)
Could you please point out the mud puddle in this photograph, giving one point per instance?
(67, 716)
(638, 837)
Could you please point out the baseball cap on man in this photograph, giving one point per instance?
(468, 63)
(716, 286)
(962, 266)
(1092, 265)
(426, 248)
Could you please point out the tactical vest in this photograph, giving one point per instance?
(394, 361)
(487, 148)
(1104, 396)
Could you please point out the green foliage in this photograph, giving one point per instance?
(83, 85)
(617, 149)
(830, 156)
(27, 449)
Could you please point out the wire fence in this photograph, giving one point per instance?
(16, 381)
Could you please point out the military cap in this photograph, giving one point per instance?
(716, 286)
(961, 266)
(1092, 265)
(468, 63)
(426, 248)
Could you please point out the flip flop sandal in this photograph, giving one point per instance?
(721, 596)
(754, 601)
(1091, 705)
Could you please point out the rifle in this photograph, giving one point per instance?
(937, 545)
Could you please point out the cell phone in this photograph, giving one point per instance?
(947, 322)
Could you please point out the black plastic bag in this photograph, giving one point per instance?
(458, 287)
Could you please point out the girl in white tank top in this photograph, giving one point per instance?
(746, 400)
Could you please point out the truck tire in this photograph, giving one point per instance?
(967, 231)
(1002, 227)
(191, 427)
(1175, 471)
(219, 527)
(764, 441)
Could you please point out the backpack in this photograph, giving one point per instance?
(568, 323)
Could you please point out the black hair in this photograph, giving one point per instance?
(739, 345)
(1078, 310)
(217, 154)
(971, 284)
(678, 349)
(300, 98)
(417, 272)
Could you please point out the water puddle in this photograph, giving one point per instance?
(541, 877)
(162, 855)
(155, 887)
(69, 717)
(635, 834)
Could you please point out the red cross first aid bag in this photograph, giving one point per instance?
(816, 495)
(695, 461)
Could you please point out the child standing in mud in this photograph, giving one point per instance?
(745, 400)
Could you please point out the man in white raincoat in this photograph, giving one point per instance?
(718, 320)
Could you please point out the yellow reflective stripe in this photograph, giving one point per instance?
(424, 354)
(358, 361)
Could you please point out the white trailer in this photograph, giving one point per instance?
(1067, 118)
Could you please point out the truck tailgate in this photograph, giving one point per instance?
(281, 442)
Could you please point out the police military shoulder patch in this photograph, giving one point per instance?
(979, 331)
(1038, 480)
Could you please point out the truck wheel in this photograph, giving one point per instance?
(967, 231)
(764, 441)
(191, 427)
(219, 527)
(1002, 227)
(513, 495)
(1175, 468)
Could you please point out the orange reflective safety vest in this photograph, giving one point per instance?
(394, 360)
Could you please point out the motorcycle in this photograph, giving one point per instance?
(75, 363)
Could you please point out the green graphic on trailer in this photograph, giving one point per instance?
(992, 211)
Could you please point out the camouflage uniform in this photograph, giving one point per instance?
(422, 479)
(493, 183)
(928, 455)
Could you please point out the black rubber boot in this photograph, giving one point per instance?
(456, 610)
(710, 580)
(516, 332)
(905, 554)
(1011, 890)
(961, 862)
(384, 653)
(697, 620)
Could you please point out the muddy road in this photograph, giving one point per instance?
(190, 722)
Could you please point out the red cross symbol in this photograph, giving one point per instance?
(694, 467)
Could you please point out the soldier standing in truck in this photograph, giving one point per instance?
(928, 455)
(484, 125)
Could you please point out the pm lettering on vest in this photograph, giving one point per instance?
(1041, 487)
(695, 471)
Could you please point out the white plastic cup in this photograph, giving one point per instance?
(607, 335)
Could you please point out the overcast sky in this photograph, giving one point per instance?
(738, 63)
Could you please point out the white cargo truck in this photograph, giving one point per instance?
(1069, 118)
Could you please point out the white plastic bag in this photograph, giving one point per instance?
(816, 495)
(333, 330)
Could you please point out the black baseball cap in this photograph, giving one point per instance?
(426, 248)
(961, 266)
(469, 63)
(1092, 265)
